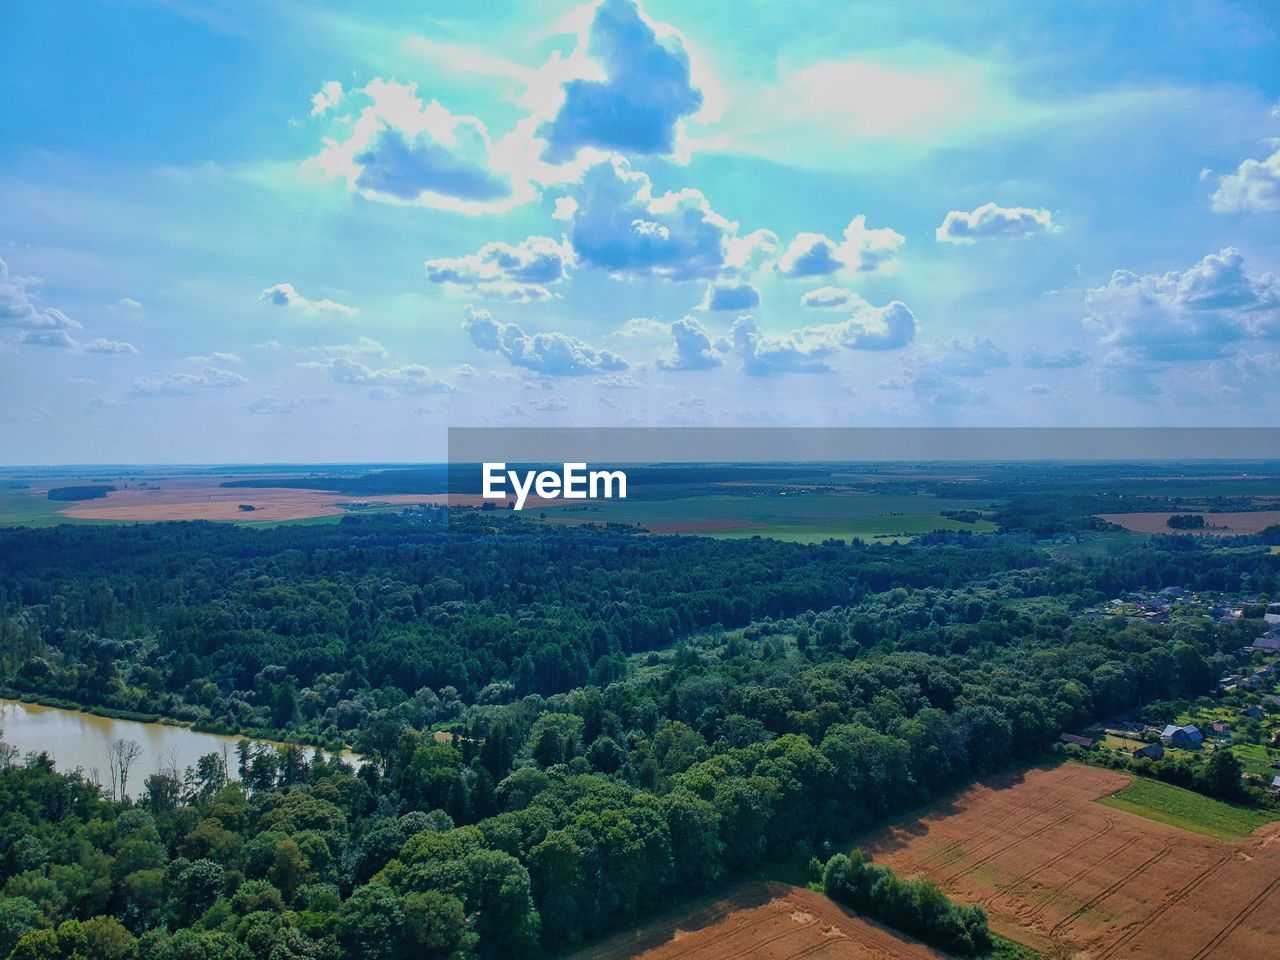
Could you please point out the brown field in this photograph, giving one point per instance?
(762, 921)
(1219, 524)
(1071, 877)
(188, 498)
(205, 501)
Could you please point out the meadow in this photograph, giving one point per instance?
(1188, 810)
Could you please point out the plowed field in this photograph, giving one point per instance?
(762, 921)
(1063, 874)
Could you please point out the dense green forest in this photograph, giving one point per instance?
(634, 719)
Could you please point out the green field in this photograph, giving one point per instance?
(1186, 810)
(22, 507)
(795, 516)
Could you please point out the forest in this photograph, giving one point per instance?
(563, 729)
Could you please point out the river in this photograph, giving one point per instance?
(82, 740)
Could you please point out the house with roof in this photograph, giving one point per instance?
(1220, 728)
(1275, 786)
(1152, 751)
(1255, 712)
(1078, 741)
(1187, 737)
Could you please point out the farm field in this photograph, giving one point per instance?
(764, 921)
(798, 517)
(1218, 524)
(1059, 872)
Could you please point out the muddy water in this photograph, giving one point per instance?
(81, 740)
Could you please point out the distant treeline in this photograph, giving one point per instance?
(87, 492)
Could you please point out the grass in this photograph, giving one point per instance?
(798, 517)
(1187, 810)
(22, 507)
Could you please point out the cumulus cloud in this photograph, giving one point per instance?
(692, 348)
(828, 298)
(182, 383)
(218, 356)
(552, 354)
(275, 406)
(932, 387)
(619, 226)
(617, 381)
(284, 295)
(19, 309)
(641, 91)
(502, 271)
(890, 327)
(766, 356)
(990, 221)
(327, 97)
(971, 356)
(101, 345)
(639, 327)
(406, 377)
(863, 250)
(730, 295)
(127, 303)
(1038, 360)
(1193, 314)
(402, 150)
(808, 349)
(55, 338)
(934, 372)
(1254, 187)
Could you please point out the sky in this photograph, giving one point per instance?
(306, 232)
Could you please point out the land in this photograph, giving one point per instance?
(1216, 524)
(1188, 810)
(1056, 870)
(769, 921)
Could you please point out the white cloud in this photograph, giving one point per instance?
(828, 298)
(218, 356)
(863, 250)
(284, 295)
(552, 354)
(1181, 316)
(19, 309)
(401, 150)
(1039, 360)
(127, 303)
(642, 327)
(182, 383)
(620, 227)
(328, 96)
(502, 271)
(275, 406)
(692, 348)
(101, 345)
(407, 377)
(794, 353)
(56, 338)
(1254, 187)
(730, 295)
(636, 90)
(565, 208)
(990, 221)
(617, 381)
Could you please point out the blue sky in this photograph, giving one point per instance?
(298, 232)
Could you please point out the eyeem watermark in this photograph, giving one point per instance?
(573, 482)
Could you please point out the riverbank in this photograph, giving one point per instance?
(257, 734)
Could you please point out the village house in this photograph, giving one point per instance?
(1187, 737)
(1152, 751)
(1078, 741)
